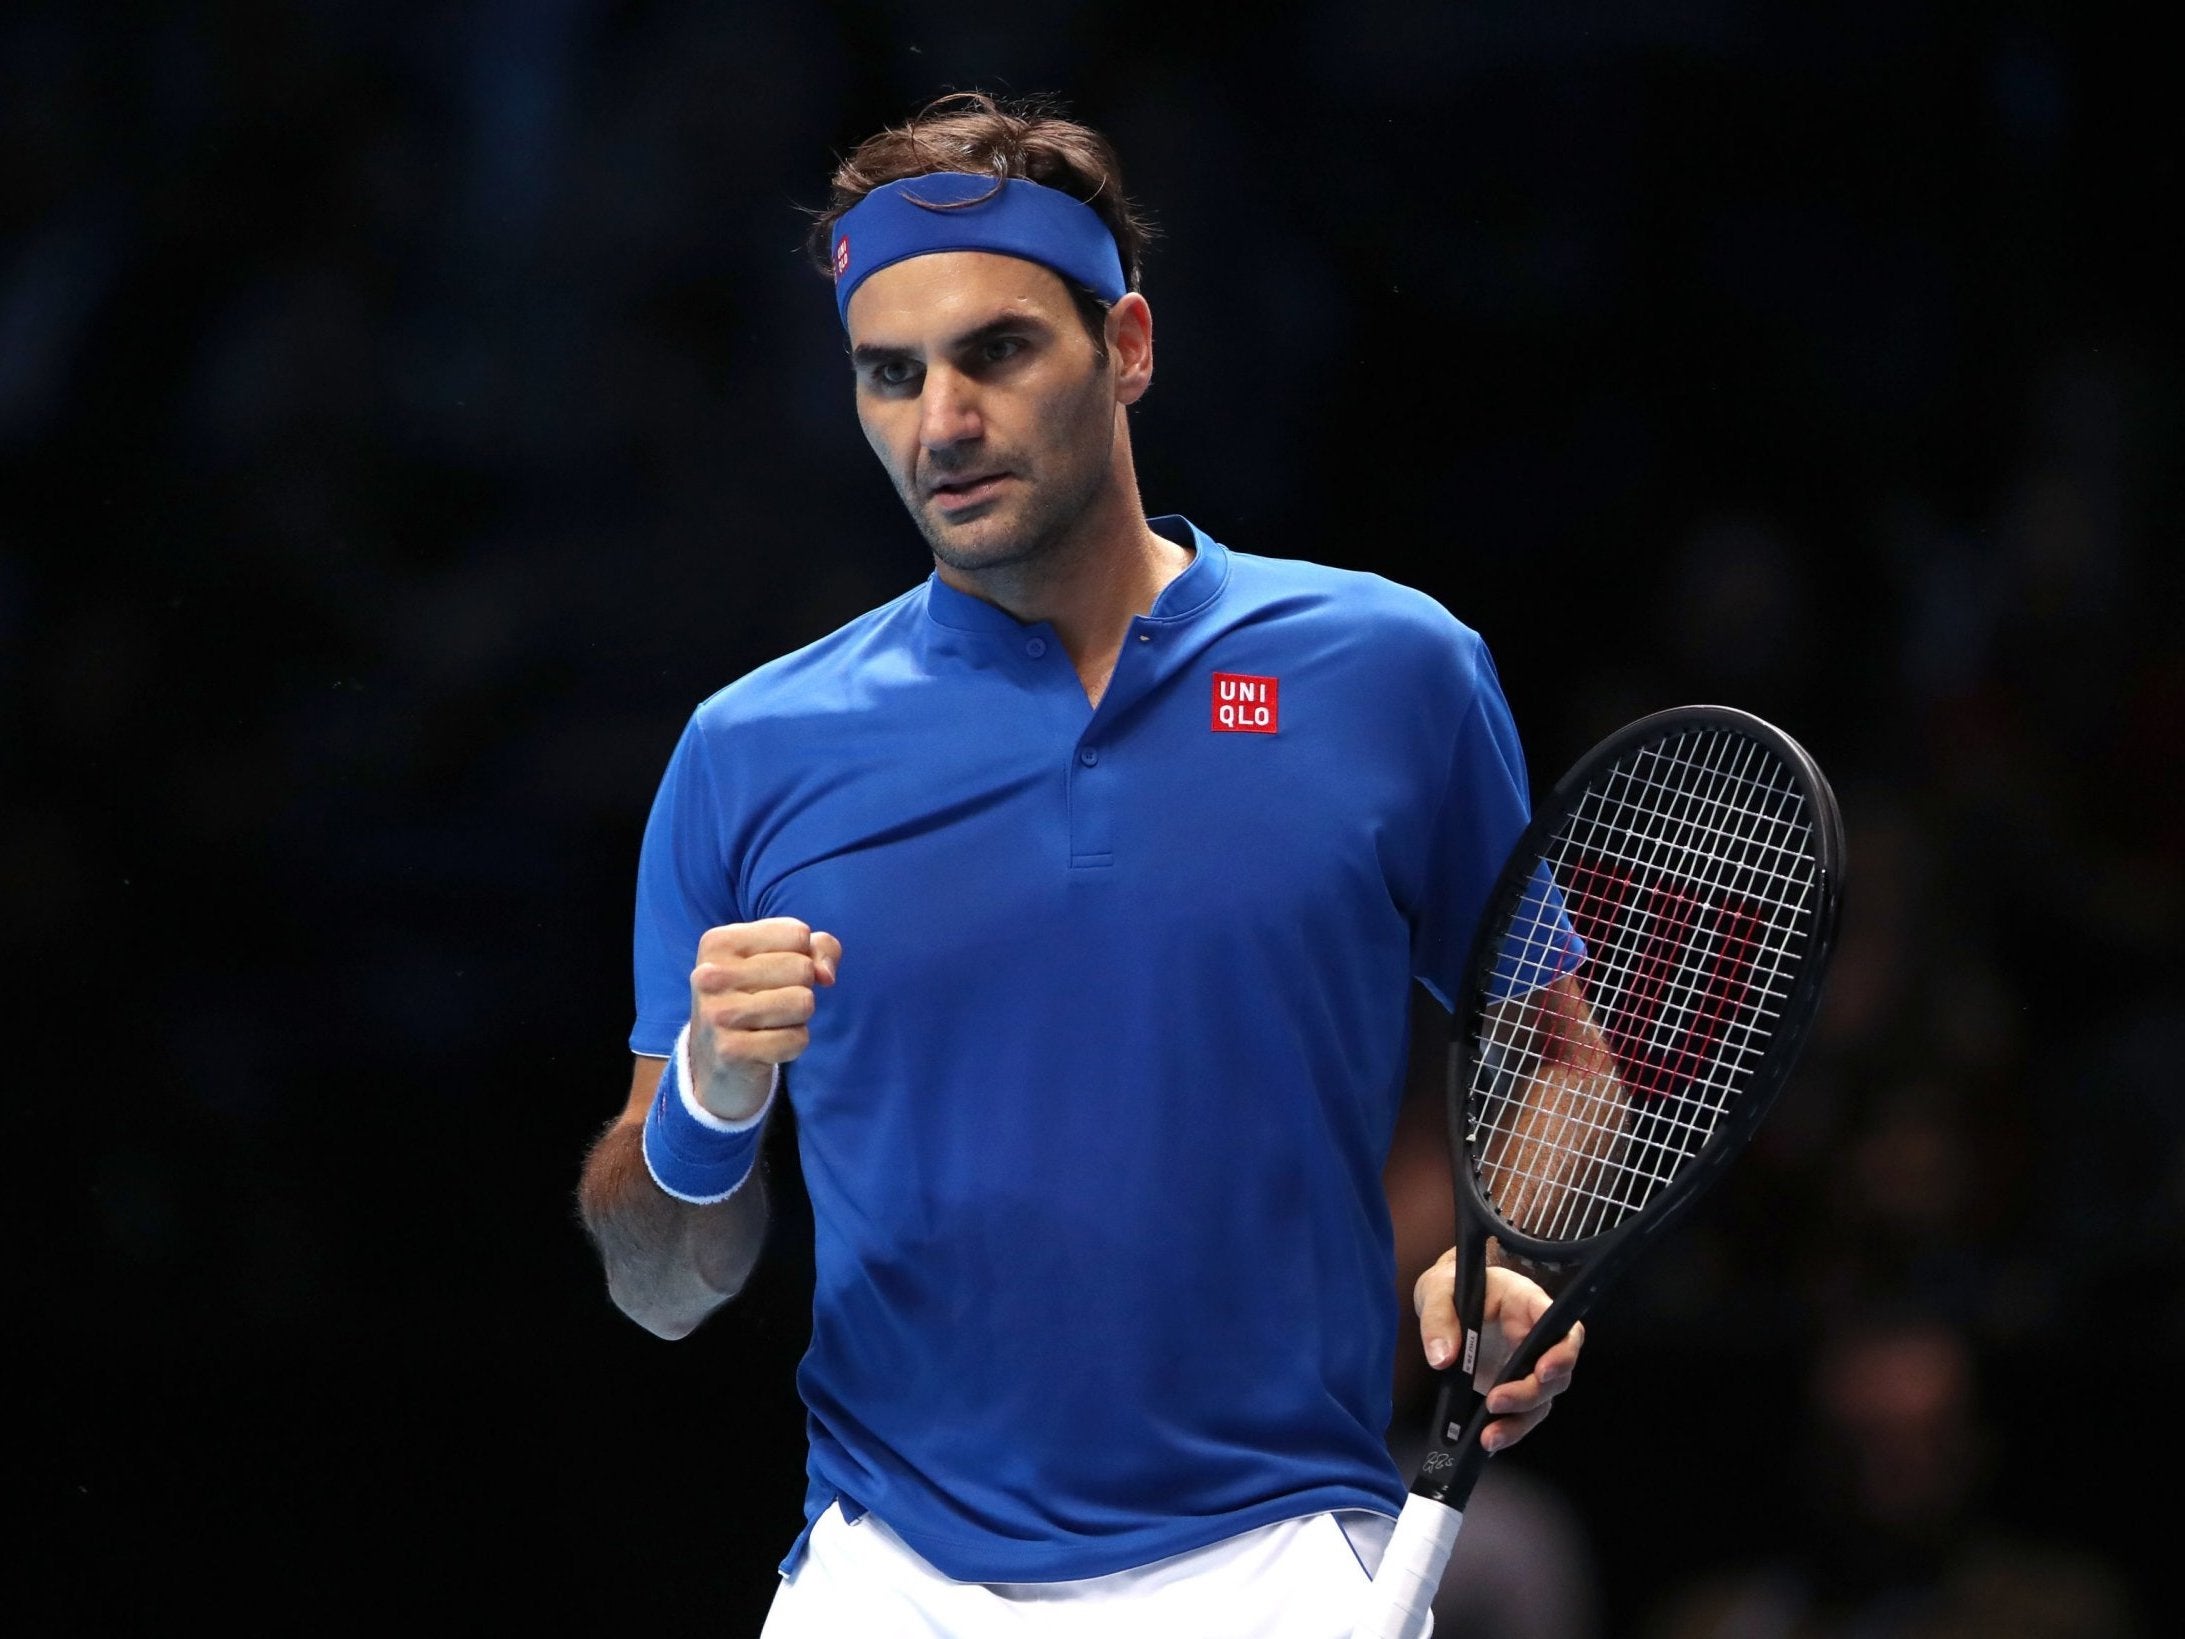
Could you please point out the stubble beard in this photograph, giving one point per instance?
(1045, 514)
(1044, 517)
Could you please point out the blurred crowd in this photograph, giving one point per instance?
(1973, 1194)
(408, 414)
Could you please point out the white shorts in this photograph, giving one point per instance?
(1295, 1579)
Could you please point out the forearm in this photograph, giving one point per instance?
(1548, 1151)
(669, 1264)
(1570, 1035)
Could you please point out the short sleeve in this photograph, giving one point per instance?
(1484, 805)
(684, 887)
(1539, 945)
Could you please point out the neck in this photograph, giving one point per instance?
(1105, 572)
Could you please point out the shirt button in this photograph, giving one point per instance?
(1088, 756)
(1036, 647)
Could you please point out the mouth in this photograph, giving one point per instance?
(955, 494)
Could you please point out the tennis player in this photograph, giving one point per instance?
(1074, 898)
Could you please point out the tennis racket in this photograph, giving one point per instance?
(1637, 990)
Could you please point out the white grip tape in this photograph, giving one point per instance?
(1400, 1604)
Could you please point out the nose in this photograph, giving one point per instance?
(948, 411)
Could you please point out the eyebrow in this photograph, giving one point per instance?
(869, 354)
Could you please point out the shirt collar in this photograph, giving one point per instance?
(1183, 598)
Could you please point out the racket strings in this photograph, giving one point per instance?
(1681, 846)
(1734, 868)
(1688, 871)
(1546, 1150)
(1671, 818)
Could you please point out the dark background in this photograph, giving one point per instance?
(407, 413)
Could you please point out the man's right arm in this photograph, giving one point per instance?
(671, 1262)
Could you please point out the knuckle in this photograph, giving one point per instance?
(788, 933)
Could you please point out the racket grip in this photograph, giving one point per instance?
(1454, 1457)
(1400, 1603)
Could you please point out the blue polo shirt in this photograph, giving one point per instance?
(1093, 1122)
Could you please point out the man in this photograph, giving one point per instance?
(1075, 897)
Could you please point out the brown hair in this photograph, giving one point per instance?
(1024, 137)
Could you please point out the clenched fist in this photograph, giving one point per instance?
(752, 996)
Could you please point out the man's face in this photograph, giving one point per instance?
(986, 401)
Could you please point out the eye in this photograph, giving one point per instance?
(997, 348)
(894, 373)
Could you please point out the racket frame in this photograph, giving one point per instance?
(1455, 1457)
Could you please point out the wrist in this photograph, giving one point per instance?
(729, 1096)
(693, 1154)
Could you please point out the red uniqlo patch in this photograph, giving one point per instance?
(1247, 705)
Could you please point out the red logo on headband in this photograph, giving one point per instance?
(842, 256)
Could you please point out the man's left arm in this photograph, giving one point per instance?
(1575, 1066)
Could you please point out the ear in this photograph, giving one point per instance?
(1130, 346)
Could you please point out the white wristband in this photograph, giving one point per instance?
(692, 1153)
(689, 1094)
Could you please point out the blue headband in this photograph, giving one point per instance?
(899, 220)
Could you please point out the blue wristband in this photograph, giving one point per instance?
(691, 1153)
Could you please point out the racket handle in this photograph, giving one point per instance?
(1454, 1457)
(1400, 1604)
